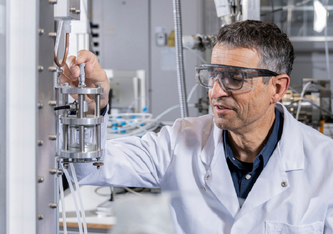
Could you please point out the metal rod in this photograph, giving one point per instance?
(82, 77)
(98, 126)
(81, 128)
(65, 127)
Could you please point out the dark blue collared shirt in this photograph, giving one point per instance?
(243, 174)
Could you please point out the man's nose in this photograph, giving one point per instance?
(218, 90)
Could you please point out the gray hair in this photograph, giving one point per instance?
(275, 50)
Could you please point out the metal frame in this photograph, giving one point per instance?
(3, 119)
(21, 78)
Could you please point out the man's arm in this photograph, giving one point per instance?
(131, 161)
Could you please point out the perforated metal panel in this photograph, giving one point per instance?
(46, 187)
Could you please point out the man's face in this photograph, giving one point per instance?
(241, 110)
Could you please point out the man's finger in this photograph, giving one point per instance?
(84, 56)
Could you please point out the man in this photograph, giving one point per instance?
(248, 168)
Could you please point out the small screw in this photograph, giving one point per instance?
(40, 216)
(41, 31)
(40, 179)
(52, 68)
(40, 68)
(77, 11)
(98, 86)
(53, 171)
(52, 1)
(52, 103)
(53, 205)
(284, 184)
(72, 9)
(52, 34)
(52, 137)
(39, 142)
(65, 165)
(40, 105)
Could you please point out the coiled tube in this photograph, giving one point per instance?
(179, 58)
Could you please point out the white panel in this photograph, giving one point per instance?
(21, 116)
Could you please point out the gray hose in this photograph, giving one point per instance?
(179, 58)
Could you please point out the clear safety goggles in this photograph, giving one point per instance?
(230, 78)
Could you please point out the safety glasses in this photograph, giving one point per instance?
(230, 78)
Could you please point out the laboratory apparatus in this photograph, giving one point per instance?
(81, 132)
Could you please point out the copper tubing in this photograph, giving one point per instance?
(65, 55)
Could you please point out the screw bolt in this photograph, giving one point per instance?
(53, 205)
(40, 179)
(53, 171)
(40, 216)
(52, 137)
(52, 34)
(52, 103)
(39, 142)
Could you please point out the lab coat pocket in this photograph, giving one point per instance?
(284, 228)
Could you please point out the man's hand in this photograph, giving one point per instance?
(94, 75)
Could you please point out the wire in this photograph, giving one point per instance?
(301, 97)
(74, 198)
(170, 109)
(196, 53)
(132, 191)
(191, 92)
(65, 54)
(63, 211)
(101, 194)
(78, 194)
(135, 100)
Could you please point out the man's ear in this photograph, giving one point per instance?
(280, 85)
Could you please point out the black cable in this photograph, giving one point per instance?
(62, 107)
(110, 101)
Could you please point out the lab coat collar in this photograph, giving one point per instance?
(291, 142)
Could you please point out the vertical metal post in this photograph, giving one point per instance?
(65, 127)
(98, 126)
(81, 128)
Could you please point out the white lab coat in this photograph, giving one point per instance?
(293, 194)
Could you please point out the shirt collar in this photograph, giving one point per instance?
(269, 147)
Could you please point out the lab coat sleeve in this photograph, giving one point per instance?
(132, 161)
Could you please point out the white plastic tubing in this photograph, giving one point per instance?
(77, 195)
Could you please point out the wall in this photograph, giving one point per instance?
(127, 41)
